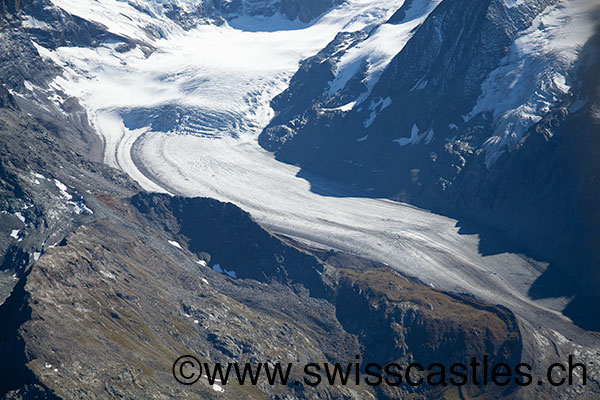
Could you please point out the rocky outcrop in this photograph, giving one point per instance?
(131, 303)
(392, 306)
(204, 224)
(6, 99)
(302, 10)
(306, 10)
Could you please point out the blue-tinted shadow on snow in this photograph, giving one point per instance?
(274, 23)
(180, 120)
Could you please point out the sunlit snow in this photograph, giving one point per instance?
(63, 189)
(175, 244)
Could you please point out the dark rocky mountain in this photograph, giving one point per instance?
(103, 285)
(421, 135)
(190, 14)
(302, 10)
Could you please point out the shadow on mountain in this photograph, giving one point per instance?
(269, 24)
(491, 241)
(559, 279)
(328, 187)
(554, 282)
(583, 311)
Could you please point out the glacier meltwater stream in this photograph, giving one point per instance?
(186, 120)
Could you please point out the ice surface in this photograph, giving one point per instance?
(237, 72)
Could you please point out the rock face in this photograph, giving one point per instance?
(190, 14)
(442, 128)
(419, 98)
(6, 100)
(302, 10)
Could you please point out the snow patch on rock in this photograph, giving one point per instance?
(415, 137)
(175, 244)
(63, 189)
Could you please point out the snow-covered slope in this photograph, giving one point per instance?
(156, 18)
(145, 21)
(208, 81)
(536, 73)
(371, 56)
